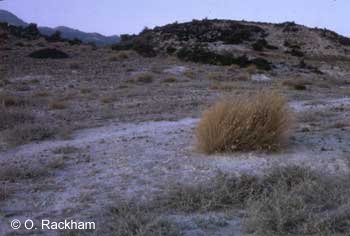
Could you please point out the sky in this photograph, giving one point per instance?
(131, 16)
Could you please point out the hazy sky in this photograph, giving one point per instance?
(130, 16)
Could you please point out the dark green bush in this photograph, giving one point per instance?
(261, 44)
(142, 45)
(48, 53)
(296, 53)
(55, 37)
(200, 54)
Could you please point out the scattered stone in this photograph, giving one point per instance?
(260, 78)
(176, 70)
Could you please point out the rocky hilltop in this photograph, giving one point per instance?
(237, 42)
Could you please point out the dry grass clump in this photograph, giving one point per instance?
(223, 86)
(286, 201)
(131, 219)
(190, 74)
(145, 78)
(85, 90)
(74, 66)
(297, 201)
(257, 122)
(222, 192)
(108, 98)
(28, 132)
(297, 84)
(4, 82)
(3, 193)
(169, 80)
(242, 77)
(252, 69)
(41, 93)
(7, 100)
(10, 118)
(65, 150)
(57, 105)
(216, 76)
(122, 55)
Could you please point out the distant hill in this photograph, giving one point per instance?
(10, 18)
(70, 33)
(66, 32)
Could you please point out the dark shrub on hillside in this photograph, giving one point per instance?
(55, 37)
(199, 54)
(142, 45)
(10, 118)
(30, 32)
(92, 45)
(75, 41)
(122, 46)
(170, 50)
(296, 53)
(303, 65)
(261, 64)
(333, 36)
(127, 37)
(237, 37)
(48, 53)
(291, 45)
(261, 44)
(288, 27)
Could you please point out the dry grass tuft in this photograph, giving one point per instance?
(7, 100)
(131, 219)
(41, 93)
(297, 84)
(10, 118)
(57, 105)
(85, 90)
(26, 133)
(74, 66)
(222, 192)
(145, 78)
(258, 122)
(108, 98)
(288, 200)
(123, 55)
(300, 202)
(216, 76)
(190, 74)
(169, 80)
(252, 69)
(4, 82)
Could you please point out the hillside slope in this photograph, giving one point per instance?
(10, 18)
(200, 40)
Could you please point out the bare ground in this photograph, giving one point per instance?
(134, 140)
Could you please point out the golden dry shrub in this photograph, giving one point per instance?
(257, 122)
